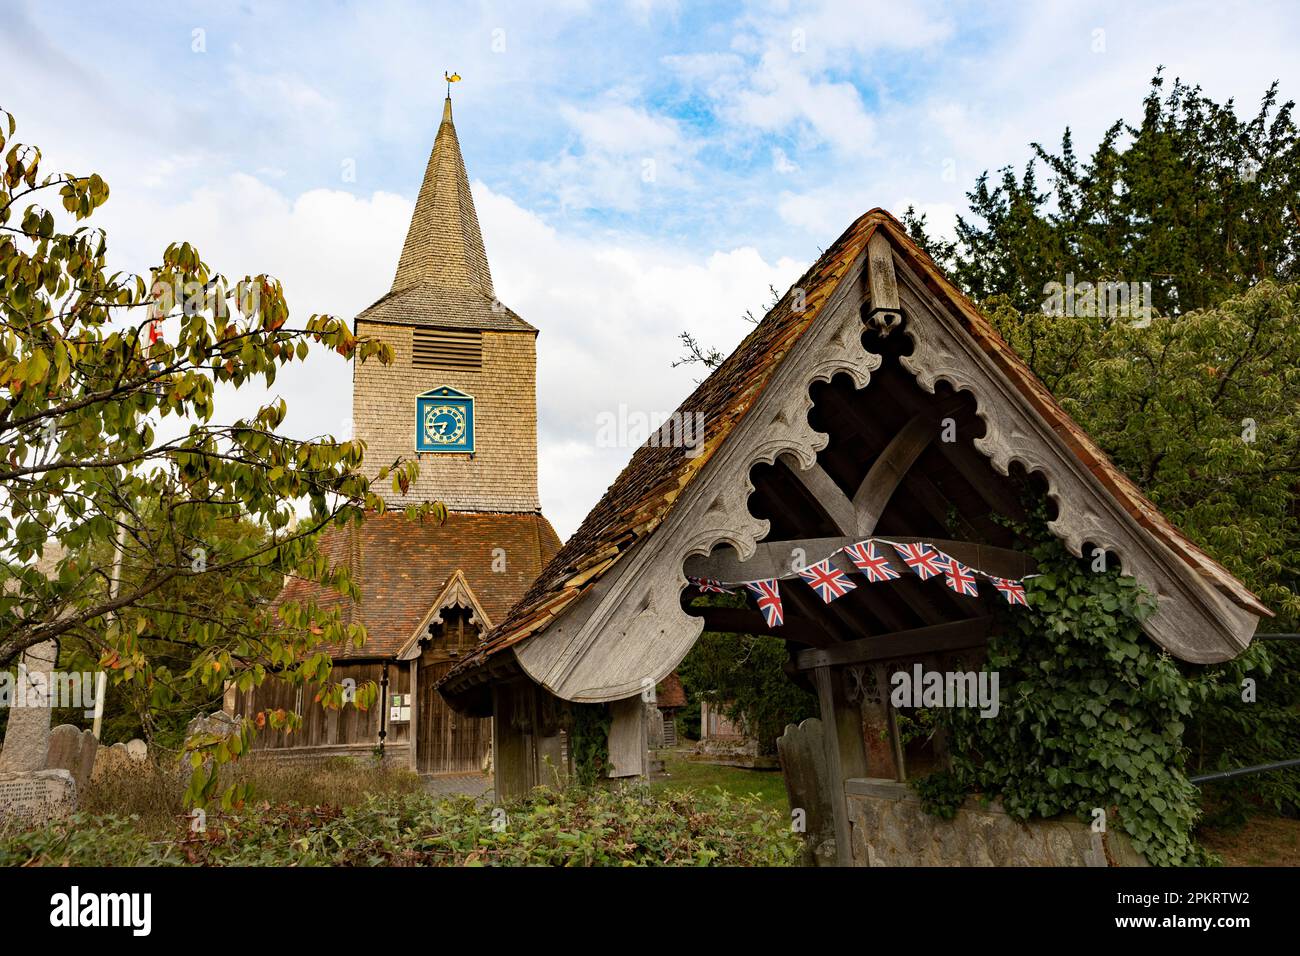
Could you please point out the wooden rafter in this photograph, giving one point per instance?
(951, 636)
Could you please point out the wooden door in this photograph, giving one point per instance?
(448, 742)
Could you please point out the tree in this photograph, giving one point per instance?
(745, 675)
(1200, 405)
(1192, 199)
(110, 446)
(1203, 411)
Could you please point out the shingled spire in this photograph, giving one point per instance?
(443, 245)
(443, 280)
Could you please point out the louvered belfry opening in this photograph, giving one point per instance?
(443, 348)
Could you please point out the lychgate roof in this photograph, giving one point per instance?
(656, 479)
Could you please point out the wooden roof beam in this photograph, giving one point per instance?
(736, 620)
(951, 636)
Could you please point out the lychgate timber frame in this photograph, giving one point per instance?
(607, 617)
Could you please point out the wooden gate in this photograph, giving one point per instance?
(448, 742)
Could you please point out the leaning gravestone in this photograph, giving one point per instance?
(32, 794)
(73, 750)
(218, 723)
(802, 751)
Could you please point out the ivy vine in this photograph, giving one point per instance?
(1092, 715)
(589, 740)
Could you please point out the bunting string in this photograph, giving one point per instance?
(831, 583)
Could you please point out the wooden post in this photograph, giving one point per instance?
(877, 725)
(413, 733)
(845, 755)
(512, 770)
(627, 738)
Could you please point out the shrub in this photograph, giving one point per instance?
(580, 827)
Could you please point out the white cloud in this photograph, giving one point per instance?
(609, 311)
(788, 70)
(622, 154)
(781, 93)
(782, 163)
(609, 308)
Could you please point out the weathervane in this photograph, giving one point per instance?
(450, 78)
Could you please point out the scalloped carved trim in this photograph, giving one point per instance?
(1192, 620)
(630, 628)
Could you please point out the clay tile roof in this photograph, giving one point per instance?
(655, 478)
(402, 566)
(670, 693)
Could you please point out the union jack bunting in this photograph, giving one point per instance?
(871, 563)
(828, 581)
(959, 577)
(710, 586)
(769, 601)
(1013, 591)
(925, 560)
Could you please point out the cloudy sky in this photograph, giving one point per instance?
(640, 167)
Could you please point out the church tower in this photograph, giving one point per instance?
(461, 395)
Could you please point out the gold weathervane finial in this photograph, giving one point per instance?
(450, 78)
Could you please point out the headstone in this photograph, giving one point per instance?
(802, 751)
(218, 723)
(112, 760)
(73, 750)
(30, 794)
(35, 798)
(137, 750)
(27, 737)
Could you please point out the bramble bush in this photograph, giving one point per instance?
(578, 827)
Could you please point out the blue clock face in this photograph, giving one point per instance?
(444, 421)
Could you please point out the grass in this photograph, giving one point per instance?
(154, 794)
(1261, 841)
(767, 785)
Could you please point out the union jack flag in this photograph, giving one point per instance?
(710, 586)
(959, 577)
(769, 601)
(1013, 591)
(925, 560)
(828, 581)
(155, 331)
(871, 563)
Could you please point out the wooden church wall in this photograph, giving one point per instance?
(321, 728)
(447, 742)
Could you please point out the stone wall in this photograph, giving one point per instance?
(891, 829)
(501, 475)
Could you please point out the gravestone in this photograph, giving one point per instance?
(111, 760)
(802, 751)
(27, 737)
(218, 723)
(73, 750)
(31, 794)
